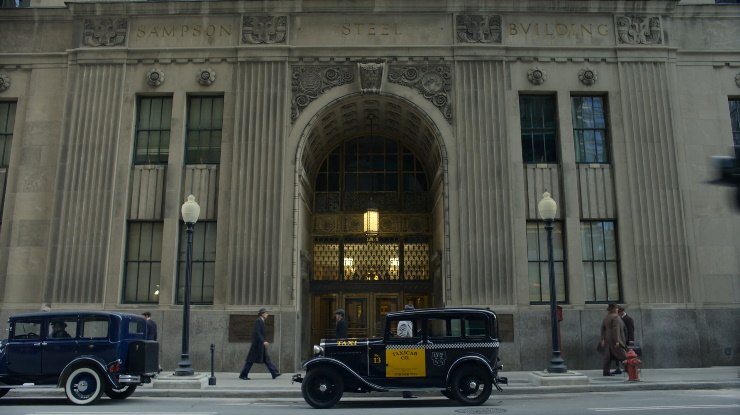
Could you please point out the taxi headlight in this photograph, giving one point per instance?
(318, 350)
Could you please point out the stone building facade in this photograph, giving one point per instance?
(287, 120)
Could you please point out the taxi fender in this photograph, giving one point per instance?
(477, 360)
(343, 369)
(91, 361)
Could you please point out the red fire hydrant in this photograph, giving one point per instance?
(632, 364)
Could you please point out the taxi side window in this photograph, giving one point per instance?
(26, 329)
(405, 329)
(475, 327)
(444, 327)
(94, 328)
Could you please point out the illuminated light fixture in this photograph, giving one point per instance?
(371, 220)
(395, 262)
(349, 262)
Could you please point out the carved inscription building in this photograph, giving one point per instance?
(369, 155)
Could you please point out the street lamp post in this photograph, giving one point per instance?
(190, 211)
(547, 209)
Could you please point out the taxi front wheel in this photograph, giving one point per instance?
(323, 387)
(471, 385)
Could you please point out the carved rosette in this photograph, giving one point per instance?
(371, 76)
(310, 81)
(105, 32)
(536, 76)
(4, 82)
(206, 76)
(155, 77)
(434, 82)
(476, 28)
(737, 80)
(587, 76)
(639, 30)
(264, 29)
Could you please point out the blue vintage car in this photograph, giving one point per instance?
(453, 350)
(88, 353)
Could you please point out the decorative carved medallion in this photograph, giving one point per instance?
(639, 30)
(206, 76)
(536, 76)
(4, 82)
(371, 76)
(737, 81)
(587, 76)
(264, 29)
(105, 32)
(475, 28)
(310, 81)
(155, 77)
(434, 82)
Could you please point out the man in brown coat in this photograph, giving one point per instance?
(612, 339)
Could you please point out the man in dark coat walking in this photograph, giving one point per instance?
(258, 349)
(629, 325)
(612, 340)
(341, 329)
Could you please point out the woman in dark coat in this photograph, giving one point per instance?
(258, 349)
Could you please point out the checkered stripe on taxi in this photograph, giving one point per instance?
(482, 345)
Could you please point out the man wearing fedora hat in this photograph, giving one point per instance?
(258, 349)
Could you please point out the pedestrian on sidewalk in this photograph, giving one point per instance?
(258, 349)
(612, 340)
(151, 331)
(629, 325)
(341, 329)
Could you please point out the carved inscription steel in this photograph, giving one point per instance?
(264, 29)
(639, 30)
(105, 32)
(474, 28)
(434, 82)
(310, 81)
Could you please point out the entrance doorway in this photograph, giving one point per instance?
(364, 312)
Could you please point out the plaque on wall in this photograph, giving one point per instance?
(505, 327)
(241, 327)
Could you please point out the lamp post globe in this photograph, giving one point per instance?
(548, 209)
(190, 211)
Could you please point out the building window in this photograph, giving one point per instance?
(600, 259)
(589, 129)
(204, 263)
(734, 119)
(153, 130)
(7, 122)
(143, 262)
(539, 131)
(537, 262)
(205, 122)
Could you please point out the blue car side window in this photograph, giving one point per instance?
(94, 328)
(25, 330)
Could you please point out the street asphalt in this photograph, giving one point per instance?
(261, 385)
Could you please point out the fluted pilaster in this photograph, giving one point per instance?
(255, 198)
(484, 171)
(85, 186)
(655, 206)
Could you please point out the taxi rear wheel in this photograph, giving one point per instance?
(323, 387)
(84, 386)
(471, 385)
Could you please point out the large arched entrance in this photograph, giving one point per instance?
(378, 152)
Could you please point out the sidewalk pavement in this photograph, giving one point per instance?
(228, 385)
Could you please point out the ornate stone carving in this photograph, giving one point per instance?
(264, 29)
(587, 76)
(4, 82)
(371, 76)
(155, 77)
(105, 32)
(536, 76)
(737, 81)
(475, 28)
(206, 76)
(639, 30)
(434, 82)
(310, 81)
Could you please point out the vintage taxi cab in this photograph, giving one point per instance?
(451, 350)
(88, 353)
